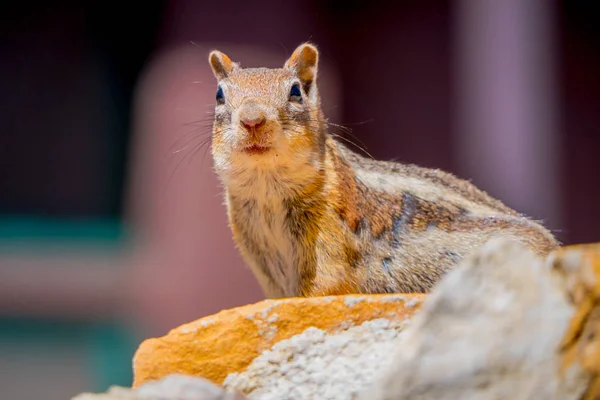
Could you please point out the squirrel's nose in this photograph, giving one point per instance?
(253, 122)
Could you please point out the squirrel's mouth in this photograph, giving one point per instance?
(256, 149)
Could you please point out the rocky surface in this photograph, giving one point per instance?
(579, 269)
(504, 324)
(317, 365)
(229, 341)
(493, 329)
(171, 387)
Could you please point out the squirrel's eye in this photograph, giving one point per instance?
(220, 96)
(295, 93)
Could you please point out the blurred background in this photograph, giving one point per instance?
(112, 227)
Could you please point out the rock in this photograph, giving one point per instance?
(579, 267)
(113, 393)
(216, 346)
(504, 325)
(317, 365)
(171, 387)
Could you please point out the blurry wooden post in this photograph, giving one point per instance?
(507, 137)
(185, 265)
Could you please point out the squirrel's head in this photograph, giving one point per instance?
(267, 121)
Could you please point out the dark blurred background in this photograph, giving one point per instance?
(111, 222)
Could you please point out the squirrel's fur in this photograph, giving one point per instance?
(311, 217)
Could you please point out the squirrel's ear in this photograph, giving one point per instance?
(221, 64)
(304, 62)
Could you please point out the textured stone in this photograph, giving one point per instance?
(317, 365)
(227, 342)
(579, 267)
(171, 387)
(505, 324)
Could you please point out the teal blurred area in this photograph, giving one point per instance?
(42, 356)
(22, 233)
(61, 355)
(25, 227)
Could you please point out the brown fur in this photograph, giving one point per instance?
(311, 217)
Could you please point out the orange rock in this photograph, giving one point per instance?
(579, 266)
(217, 345)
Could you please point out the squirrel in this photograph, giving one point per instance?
(313, 218)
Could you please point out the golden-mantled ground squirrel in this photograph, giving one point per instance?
(311, 217)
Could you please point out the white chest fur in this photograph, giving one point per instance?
(268, 245)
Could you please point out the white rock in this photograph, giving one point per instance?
(316, 365)
(490, 330)
(171, 387)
